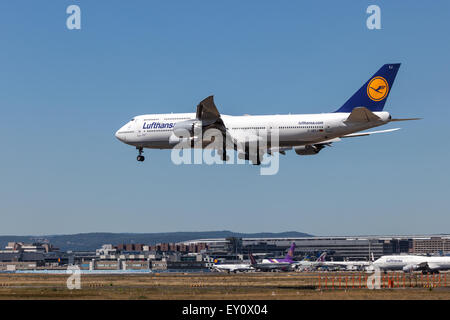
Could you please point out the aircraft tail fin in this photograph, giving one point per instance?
(252, 259)
(374, 93)
(321, 258)
(290, 253)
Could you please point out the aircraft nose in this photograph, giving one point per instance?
(120, 136)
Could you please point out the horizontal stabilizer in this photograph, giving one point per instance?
(362, 114)
(408, 119)
(368, 133)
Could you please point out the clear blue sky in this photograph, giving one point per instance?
(64, 93)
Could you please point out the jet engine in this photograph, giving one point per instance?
(191, 126)
(423, 266)
(307, 150)
(410, 268)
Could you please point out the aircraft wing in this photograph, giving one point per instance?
(327, 143)
(209, 116)
(242, 137)
(434, 266)
(207, 111)
(352, 135)
(361, 134)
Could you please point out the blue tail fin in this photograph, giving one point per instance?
(374, 93)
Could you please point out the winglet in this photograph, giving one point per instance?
(207, 111)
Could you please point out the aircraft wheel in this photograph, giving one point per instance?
(140, 157)
(257, 163)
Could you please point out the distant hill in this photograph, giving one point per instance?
(92, 241)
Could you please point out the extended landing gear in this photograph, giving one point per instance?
(223, 153)
(140, 157)
(257, 163)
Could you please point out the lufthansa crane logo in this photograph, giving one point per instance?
(377, 89)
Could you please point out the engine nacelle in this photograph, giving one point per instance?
(281, 150)
(410, 268)
(191, 126)
(307, 150)
(251, 157)
(242, 156)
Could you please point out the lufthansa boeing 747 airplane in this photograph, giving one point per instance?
(410, 263)
(306, 134)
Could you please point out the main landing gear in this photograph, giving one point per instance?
(140, 157)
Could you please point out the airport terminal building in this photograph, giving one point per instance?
(338, 248)
(200, 253)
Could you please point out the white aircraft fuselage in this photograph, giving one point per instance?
(409, 263)
(241, 267)
(307, 134)
(155, 131)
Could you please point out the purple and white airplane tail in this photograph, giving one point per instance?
(322, 257)
(252, 260)
(290, 254)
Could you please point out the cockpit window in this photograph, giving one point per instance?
(132, 119)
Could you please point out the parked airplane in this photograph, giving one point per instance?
(275, 264)
(305, 264)
(238, 267)
(348, 265)
(270, 266)
(409, 263)
(307, 134)
(288, 258)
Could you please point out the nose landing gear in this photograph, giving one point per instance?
(140, 157)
